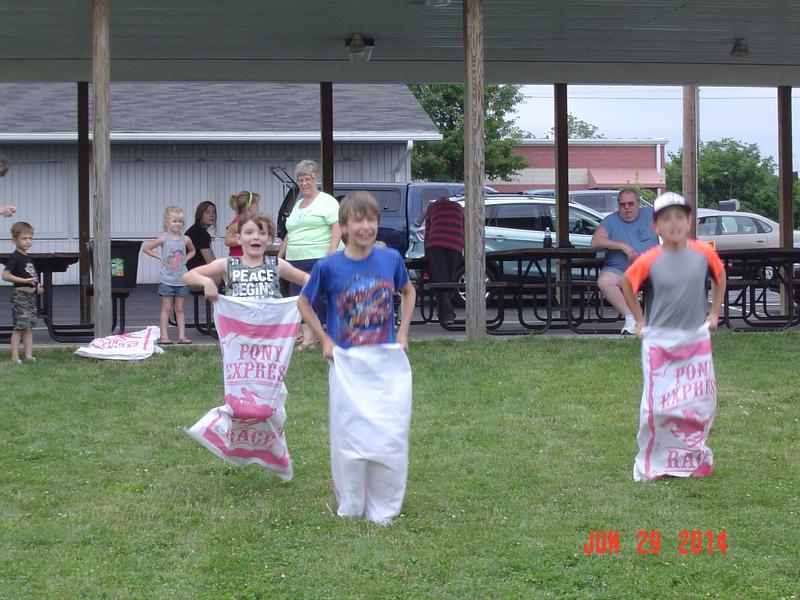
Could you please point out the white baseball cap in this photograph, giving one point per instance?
(670, 199)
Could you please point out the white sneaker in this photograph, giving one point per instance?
(630, 325)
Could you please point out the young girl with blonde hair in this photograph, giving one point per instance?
(176, 249)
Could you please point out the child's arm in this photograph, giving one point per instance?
(717, 294)
(151, 245)
(336, 237)
(190, 247)
(232, 235)
(633, 305)
(207, 276)
(26, 281)
(311, 319)
(289, 273)
(408, 298)
(282, 249)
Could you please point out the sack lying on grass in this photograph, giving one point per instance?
(127, 346)
(256, 336)
(679, 402)
(370, 415)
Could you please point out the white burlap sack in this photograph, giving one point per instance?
(127, 346)
(679, 402)
(370, 416)
(257, 338)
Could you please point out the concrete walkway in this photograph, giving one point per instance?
(144, 305)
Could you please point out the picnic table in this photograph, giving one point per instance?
(755, 276)
(562, 279)
(47, 263)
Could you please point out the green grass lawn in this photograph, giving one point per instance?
(518, 449)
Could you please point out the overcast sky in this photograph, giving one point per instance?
(749, 115)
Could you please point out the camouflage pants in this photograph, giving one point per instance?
(23, 309)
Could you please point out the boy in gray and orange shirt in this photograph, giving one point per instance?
(677, 271)
(679, 384)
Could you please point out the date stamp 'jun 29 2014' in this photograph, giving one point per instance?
(695, 541)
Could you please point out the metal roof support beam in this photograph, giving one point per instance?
(101, 152)
(689, 153)
(785, 177)
(474, 171)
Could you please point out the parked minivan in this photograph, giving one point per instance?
(400, 204)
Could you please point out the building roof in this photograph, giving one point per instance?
(205, 111)
(620, 177)
(597, 142)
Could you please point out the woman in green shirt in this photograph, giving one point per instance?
(312, 232)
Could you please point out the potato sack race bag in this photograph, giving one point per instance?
(136, 345)
(679, 403)
(256, 336)
(370, 416)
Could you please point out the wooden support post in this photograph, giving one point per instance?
(561, 232)
(83, 198)
(785, 179)
(326, 135)
(474, 171)
(689, 154)
(562, 161)
(101, 153)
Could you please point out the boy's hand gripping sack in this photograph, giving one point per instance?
(257, 338)
(679, 403)
(370, 416)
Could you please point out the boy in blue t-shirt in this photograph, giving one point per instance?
(360, 284)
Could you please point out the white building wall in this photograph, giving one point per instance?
(145, 178)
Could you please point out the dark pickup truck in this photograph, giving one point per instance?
(401, 204)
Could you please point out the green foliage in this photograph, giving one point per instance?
(578, 129)
(730, 169)
(519, 448)
(444, 160)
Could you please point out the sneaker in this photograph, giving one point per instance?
(630, 325)
(32, 359)
(17, 362)
(449, 319)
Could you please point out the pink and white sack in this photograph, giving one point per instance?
(679, 403)
(136, 345)
(370, 417)
(256, 336)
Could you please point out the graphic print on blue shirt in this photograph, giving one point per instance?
(364, 309)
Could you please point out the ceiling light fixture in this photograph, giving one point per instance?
(740, 48)
(359, 48)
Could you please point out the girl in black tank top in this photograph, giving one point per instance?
(254, 274)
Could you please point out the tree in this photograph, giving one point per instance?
(578, 129)
(444, 160)
(730, 169)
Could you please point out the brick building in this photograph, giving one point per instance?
(593, 164)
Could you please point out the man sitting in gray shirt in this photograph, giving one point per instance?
(624, 235)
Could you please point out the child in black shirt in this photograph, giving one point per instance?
(21, 272)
